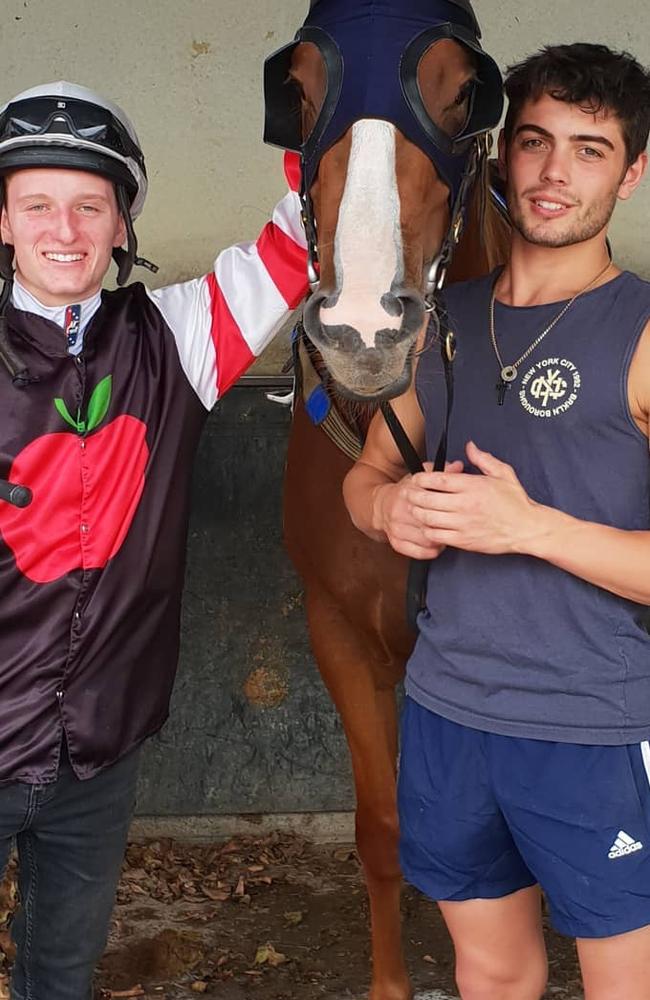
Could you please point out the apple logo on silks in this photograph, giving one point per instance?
(86, 488)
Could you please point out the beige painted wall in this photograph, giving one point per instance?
(189, 74)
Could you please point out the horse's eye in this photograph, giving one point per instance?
(296, 86)
(464, 94)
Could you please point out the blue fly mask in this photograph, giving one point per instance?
(372, 51)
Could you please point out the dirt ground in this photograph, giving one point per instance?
(270, 919)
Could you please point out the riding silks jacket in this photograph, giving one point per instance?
(91, 572)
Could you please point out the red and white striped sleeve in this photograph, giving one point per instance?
(224, 320)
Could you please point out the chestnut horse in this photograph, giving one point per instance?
(382, 208)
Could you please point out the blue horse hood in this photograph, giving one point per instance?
(419, 12)
(371, 50)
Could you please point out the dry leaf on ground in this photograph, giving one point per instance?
(267, 955)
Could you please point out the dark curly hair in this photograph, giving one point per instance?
(591, 76)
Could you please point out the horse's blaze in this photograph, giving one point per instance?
(368, 254)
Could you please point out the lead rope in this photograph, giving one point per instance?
(416, 585)
(416, 588)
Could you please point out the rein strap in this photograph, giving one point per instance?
(416, 587)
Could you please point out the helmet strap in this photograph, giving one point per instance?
(6, 251)
(10, 359)
(126, 258)
(13, 363)
(6, 262)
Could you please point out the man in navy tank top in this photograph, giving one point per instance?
(526, 731)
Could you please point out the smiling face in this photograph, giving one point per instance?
(63, 225)
(565, 167)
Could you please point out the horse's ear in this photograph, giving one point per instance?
(466, 6)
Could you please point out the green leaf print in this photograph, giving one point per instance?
(65, 413)
(99, 403)
(97, 408)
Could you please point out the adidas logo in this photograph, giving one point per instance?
(624, 845)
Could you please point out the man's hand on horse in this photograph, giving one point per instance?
(489, 513)
(403, 528)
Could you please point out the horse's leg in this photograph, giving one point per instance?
(364, 694)
(377, 835)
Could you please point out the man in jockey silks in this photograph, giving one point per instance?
(526, 733)
(103, 396)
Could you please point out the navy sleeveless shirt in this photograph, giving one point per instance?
(511, 644)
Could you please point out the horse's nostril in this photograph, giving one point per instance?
(341, 337)
(388, 339)
(392, 304)
(350, 340)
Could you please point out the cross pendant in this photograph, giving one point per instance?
(501, 387)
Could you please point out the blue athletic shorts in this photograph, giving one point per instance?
(483, 816)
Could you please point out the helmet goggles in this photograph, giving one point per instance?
(41, 129)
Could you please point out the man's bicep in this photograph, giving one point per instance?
(639, 383)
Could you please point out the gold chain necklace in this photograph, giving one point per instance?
(509, 372)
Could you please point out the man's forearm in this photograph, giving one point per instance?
(364, 489)
(611, 558)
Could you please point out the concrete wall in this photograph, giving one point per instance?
(189, 73)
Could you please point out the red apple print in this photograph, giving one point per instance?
(86, 488)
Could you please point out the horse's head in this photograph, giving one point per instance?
(385, 101)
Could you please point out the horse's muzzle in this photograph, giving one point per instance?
(363, 371)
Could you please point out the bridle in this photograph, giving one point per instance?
(439, 267)
(435, 281)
